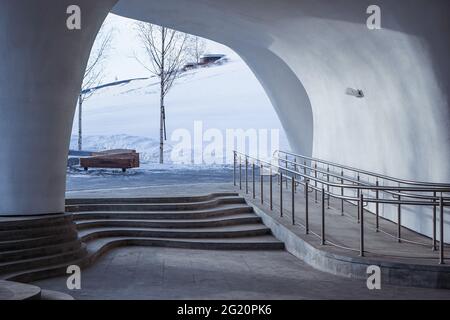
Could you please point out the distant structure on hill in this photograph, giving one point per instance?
(210, 58)
(205, 60)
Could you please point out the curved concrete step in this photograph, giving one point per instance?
(219, 211)
(220, 232)
(18, 224)
(36, 232)
(187, 199)
(158, 206)
(7, 267)
(38, 241)
(28, 253)
(263, 242)
(18, 291)
(54, 295)
(238, 219)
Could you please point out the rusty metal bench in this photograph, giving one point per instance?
(118, 158)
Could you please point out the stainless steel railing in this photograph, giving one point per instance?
(332, 180)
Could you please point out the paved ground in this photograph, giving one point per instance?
(166, 273)
(78, 179)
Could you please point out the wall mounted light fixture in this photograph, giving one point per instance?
(355, 92)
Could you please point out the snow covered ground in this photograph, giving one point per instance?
(206, 103)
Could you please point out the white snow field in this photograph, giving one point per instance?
(203, 104)
(218, 97)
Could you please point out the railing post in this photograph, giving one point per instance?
(358, 194)
(234, 168)
(328, 186)
(240, 173)
(315, 182)
(281, 194)
(304, 169)
(246, 175)
(261, 179)
(399, 219)
(342, 192)
(293, 200)
(253, 180)
(306, 207)
(286, 157)
(377, 208)
(441, 230)
(271, 189)
(361, 213)
(434, 221)
(323, 218)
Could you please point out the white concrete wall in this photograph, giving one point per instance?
(304, 52)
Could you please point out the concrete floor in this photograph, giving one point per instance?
(163, 273)
(167, 273)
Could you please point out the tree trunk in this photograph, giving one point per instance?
(161, 130)
(162, 78)
(80, 128)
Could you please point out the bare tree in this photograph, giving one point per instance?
(197, 48)
(94, 73)
(166, 51)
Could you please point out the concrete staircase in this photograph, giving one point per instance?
(42, 247)
(216, 221)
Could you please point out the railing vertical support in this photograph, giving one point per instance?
(328, 186)
(434, 221)
(306, 207)
(281, 194)
(234, 168)
(253, 180)
(323, 218)
(246, 175)
(399, 220)
(271, 189)
(261, 179)
(240, 173)
(293, 200)
(441, 230)
(361, 213)
(342, 192)
(377, 208)
(358, 194)
(286, 172)
(315, 182)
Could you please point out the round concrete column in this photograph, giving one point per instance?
(41, 67)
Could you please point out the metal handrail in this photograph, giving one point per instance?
(369, 173)
(323, 186)
(361, 183)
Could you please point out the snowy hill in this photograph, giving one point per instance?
(222, 97)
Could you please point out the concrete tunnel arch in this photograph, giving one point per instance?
(305, 53)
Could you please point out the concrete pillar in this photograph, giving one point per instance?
(41, 67)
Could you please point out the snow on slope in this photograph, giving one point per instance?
(222, 97)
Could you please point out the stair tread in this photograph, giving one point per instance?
(179, 199)
(54, 295)
(252, 239)
(215, 209)
(247, 227)
(211, 219)
(51, 246)
(162, 204)
(51, 256)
